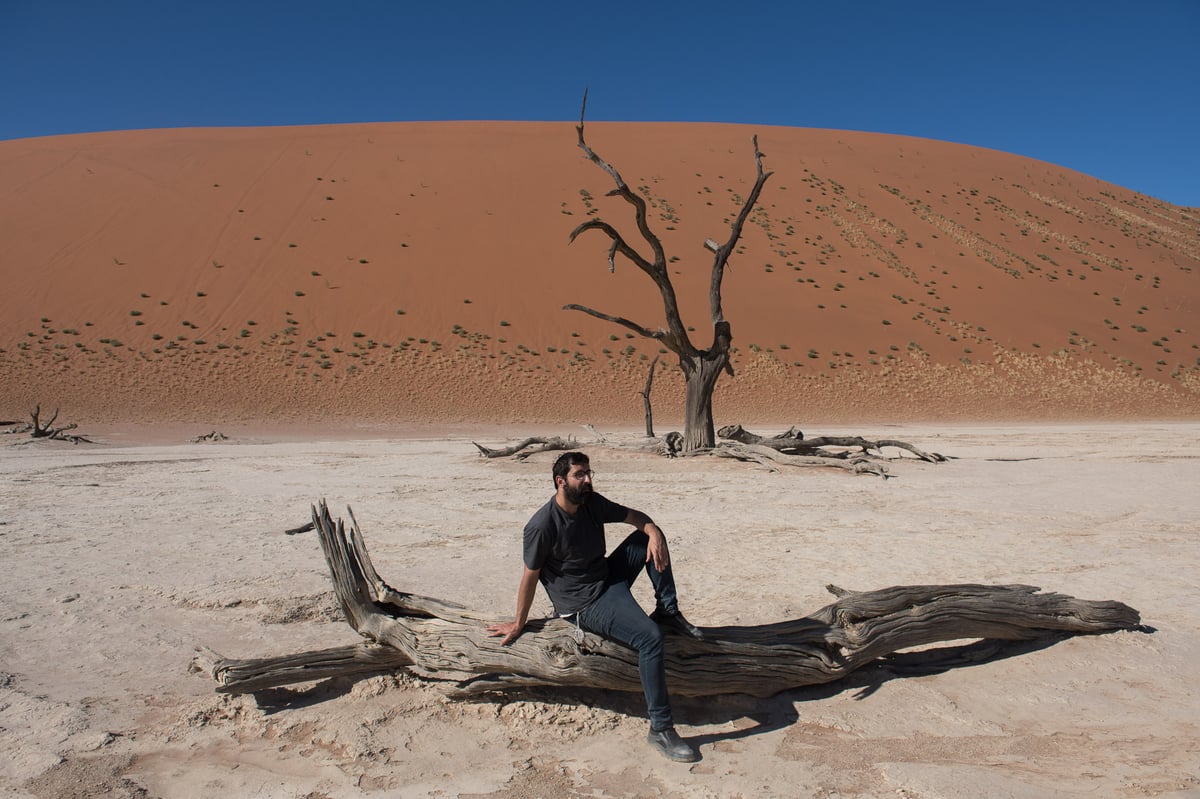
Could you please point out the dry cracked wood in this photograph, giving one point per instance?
(794, 442)
(543, 443)
(438, 639)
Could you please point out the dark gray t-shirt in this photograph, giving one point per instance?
(569, 550)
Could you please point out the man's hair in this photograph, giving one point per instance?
(564, 464)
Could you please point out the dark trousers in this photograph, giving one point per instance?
(616, 614)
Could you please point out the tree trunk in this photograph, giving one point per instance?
(700, 376)
(700, 372)
(438, 639)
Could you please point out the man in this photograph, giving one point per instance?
(564, 550)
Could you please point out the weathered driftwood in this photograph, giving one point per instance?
(770, 458)
(519, 449)
(439, 639)
(794, 442)
(789, 448)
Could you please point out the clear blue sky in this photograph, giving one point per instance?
(1110, 88)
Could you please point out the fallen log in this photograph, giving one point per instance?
(794, 442)
(441, 640)
(770, 458)
(519, 449)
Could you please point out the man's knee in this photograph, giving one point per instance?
(649, 638)
(637, 540)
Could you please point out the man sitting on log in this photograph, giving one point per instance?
(564, 549)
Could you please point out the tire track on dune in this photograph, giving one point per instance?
(73, 247)
(224, 308)
(41, 176)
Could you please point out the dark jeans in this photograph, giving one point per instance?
(616, 614)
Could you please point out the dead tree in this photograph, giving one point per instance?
(45, 430)
(37, 429)
(521, 449)
(646, 398)
(701, 367)
(437, 639)
(793, 442)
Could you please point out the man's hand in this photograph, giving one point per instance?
(656, 550)
(509, 631)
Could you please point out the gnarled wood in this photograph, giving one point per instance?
(794, 442)
(438, 639)
(245, 676)
(770, 458)
(544, 445)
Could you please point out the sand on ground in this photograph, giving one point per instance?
(123, 556)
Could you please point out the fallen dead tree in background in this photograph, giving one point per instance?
(790, 448)
(522, 448)
(793, 442)
(438, 639)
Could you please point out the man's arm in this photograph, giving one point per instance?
(525, 591)
(657, 549)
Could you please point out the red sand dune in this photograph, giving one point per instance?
(417, 272)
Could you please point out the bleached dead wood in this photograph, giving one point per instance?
(794, 442)
(438, 639)
(543, 443)
(790, 448)
(772, 458)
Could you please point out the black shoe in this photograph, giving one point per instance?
(676, 621)
(670, 744)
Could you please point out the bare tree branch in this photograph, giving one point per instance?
(544, 445)
(646, 398)
(677, 339)
(721, 258)
(659, 335)
(623, 191)
(618, 245)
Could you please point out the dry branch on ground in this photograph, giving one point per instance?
(793, 442)
(521, 449)
(438, 639)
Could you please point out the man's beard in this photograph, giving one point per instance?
(577, 496)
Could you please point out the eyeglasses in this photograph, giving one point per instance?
(589, 474)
